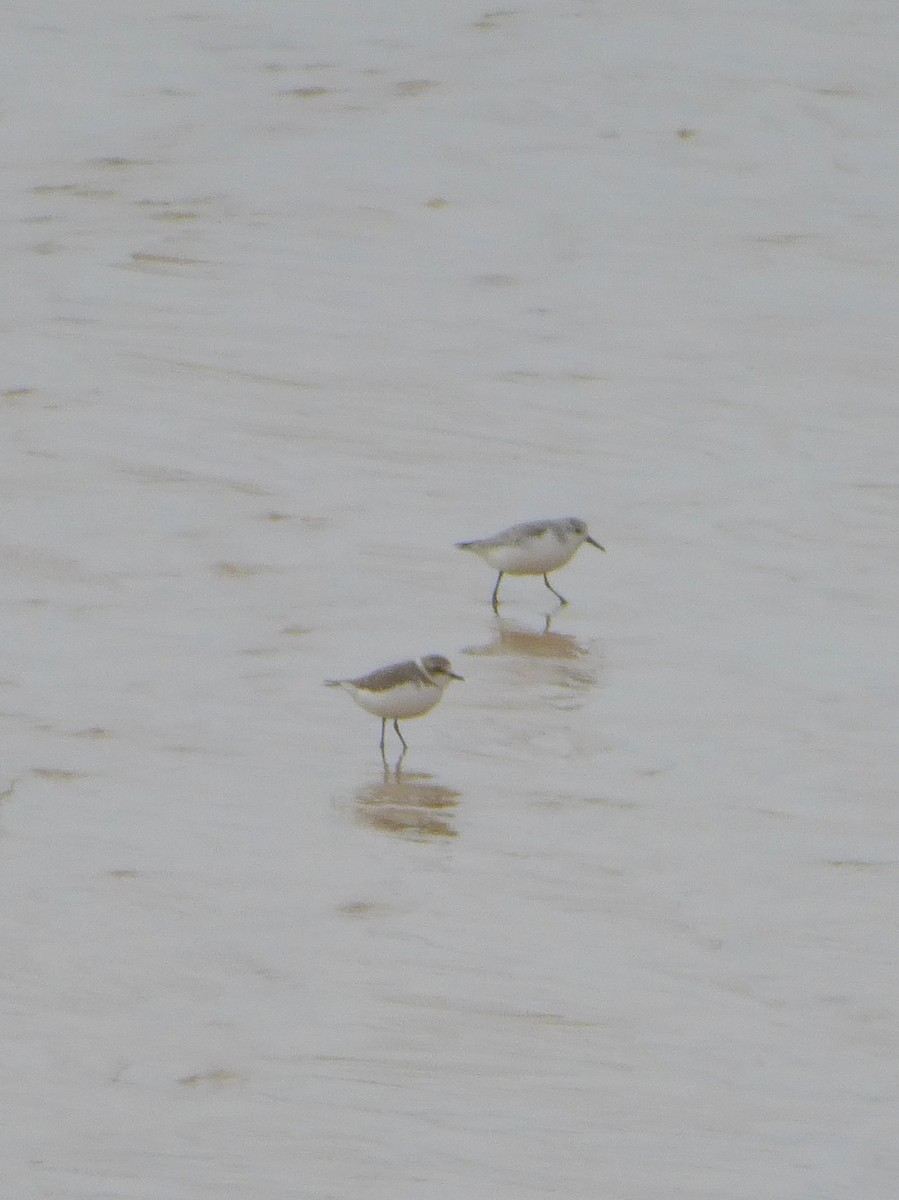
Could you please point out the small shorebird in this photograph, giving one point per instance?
(532, 548)
(400, 691)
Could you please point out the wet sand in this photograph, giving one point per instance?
(294, 305)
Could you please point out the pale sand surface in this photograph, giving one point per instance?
(295, 297)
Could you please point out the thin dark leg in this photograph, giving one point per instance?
(396, 726)
(561, 599)
(494, 599)
(383, 728)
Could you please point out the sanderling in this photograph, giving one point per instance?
(532, 548)
(400, 691)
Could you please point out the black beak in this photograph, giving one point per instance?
(453, 675)
(596, 544)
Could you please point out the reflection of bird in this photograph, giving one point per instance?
(398, 692)
(408, 805)
(514, 639)
(533, 548)
(555, 659)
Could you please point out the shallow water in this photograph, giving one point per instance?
(295, 300)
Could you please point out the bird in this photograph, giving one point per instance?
(532, 548)
(400, 691)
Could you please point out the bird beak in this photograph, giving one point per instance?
(453, 675)
(596, 544)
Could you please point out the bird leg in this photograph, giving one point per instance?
(561, 599)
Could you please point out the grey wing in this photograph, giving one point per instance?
(388, 677)
(505, 537)
(520, 533)
(513, 536)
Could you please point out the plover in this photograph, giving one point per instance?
(532, 548)
(400, 691)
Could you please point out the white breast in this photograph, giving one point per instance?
(401, 702)
(532, 556)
